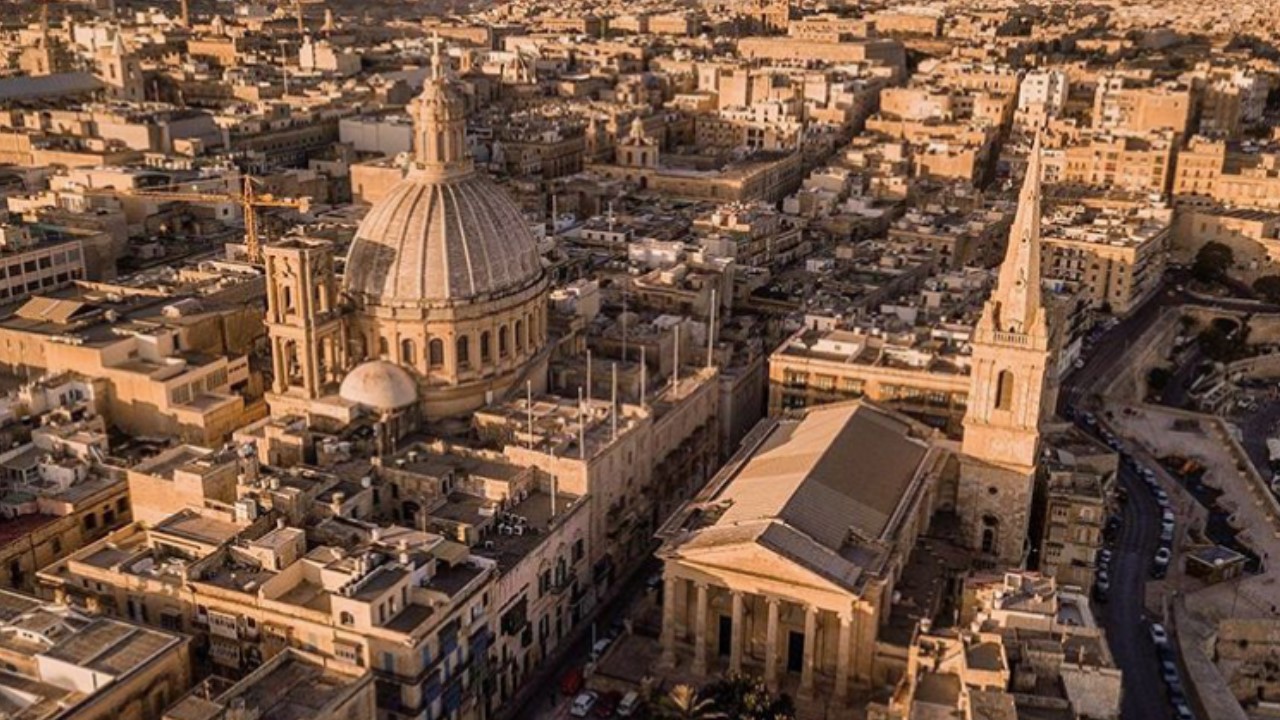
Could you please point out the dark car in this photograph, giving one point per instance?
(571, 683)
(607, 705)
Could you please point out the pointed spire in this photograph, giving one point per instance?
(1018, 286)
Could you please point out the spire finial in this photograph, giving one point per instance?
(437, 57)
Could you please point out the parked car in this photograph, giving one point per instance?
(1104, 557)
(1182, 711)
(630, 704)
(1158, 634)
(598, 650)
(607, 704)
(571, 683)
(1163, 556)
(1168, 671)
(583, 703)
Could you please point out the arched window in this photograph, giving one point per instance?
(464, 351)
(1004, 390)
(435, 350)
(503, 341)
(484, 347)
(519, 336)
(347, 618)
(384, 351)
(288, 298)
(408, 354)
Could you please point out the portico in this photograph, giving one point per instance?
(803, 645)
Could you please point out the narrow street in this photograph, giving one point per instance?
(540, 698)
(1124, 616)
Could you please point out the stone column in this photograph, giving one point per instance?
(700, 632)
(668, 622)
(681, 601)
(842, 657)
(810, 647)
(771, 647)
(735, 646)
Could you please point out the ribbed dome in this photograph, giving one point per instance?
(379, 385)
(441, 238)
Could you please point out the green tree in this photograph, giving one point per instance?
(1212, 262)
(684, 703)
(1268, 287)
(746, 697)
(1158, 379)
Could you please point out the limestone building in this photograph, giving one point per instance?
(785, 565)
(1013, 390)
(443, 298)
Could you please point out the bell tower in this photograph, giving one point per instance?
(308, 344)
(1011, 390)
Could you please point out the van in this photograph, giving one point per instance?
(629, 705)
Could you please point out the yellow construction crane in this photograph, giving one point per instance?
(248, 199)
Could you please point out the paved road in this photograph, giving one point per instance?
(1124, 616)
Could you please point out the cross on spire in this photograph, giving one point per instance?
(437, 57)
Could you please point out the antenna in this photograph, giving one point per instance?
(711, 331)
(644, 377)
(626, 280)
(675, 370)
(528, 407)
(553, 494)
(582, 428)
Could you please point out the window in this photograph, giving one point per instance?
(383, 349)
(484, 347)
(408, 355)
(90, 521)
(1004, 390)
(503, 341)
(519, 336)
(435, 349)
(464, 351)
(347, 618)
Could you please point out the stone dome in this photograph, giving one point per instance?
(444, 234)
(441, 238)
(379, 385)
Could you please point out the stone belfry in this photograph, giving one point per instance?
(1011, 390)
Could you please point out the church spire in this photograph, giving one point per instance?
(1017, 292)
(440, 121)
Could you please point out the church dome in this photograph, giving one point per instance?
(444, 234)
(379, 385)
(433, 240)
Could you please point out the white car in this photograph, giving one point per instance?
(1163, 556)
(629, 705)
(598, 650)
(583, 703)
(1158, 634)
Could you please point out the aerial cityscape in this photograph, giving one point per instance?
(672, 359)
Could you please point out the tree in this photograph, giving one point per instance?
(1212, 262)
(1158, 379)
(745, 697)
(683, 703)
(1268, 287)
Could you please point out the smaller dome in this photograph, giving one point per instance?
(379, 385)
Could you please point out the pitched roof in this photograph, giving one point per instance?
(837, 470)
